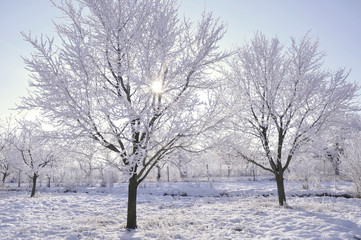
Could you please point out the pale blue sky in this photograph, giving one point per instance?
(336, 22)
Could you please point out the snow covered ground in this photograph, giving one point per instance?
(225, 210)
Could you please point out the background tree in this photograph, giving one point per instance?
(87, 164)
(4, 161)
(333, 156)
(181, 162)
(129, 75)
(336, 137)
(282, 98)
(305, 168)
(351, 160)
(4, 166)
(226, 154)
(8, 161)
(33, 149)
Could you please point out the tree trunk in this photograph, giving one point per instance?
(35, 177)
(280, 188)
(168, 173)
(19, 178)
(132, 203)
(49, 180)
(5, 174)
(158, 175)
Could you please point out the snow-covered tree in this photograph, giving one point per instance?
(283, 97)
(128, 74)
(330, 144)
(33, 148)
(226, 154)
(350, 160)
(181, 161)
(89, 158)
(65, 170)
(304, 169)
(3, 163)
(333, 156)
(8, 161)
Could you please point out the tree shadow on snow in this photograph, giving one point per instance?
(338, 224)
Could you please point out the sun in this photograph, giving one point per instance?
(157, 87)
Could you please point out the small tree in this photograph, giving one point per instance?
(87, 164)
(5, 171)
(304, 169)
(351, 160)
(33, 150)
(333, 156)
(227, 156)
(128, 75)
(4, 164)
(181, 161)
(8, 161)
(282, 98)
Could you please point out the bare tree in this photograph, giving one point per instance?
(128, 74)
(282, 98)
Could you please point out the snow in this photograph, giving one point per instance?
(187, 210)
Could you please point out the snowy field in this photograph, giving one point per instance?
(224, 210)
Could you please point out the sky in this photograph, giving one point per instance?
(337, 24)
